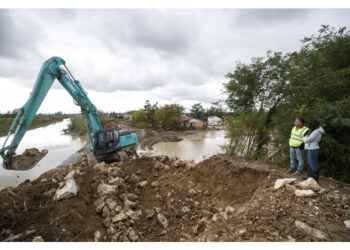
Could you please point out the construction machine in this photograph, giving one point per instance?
(103, 142)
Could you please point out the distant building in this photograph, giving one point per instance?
(214, 121)
(189, 122)
(127, 117)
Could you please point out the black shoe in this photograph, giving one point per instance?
(315, 175)
(291, 171)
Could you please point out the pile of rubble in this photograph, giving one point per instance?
(157, 198)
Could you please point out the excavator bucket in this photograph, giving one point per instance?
(25, 161)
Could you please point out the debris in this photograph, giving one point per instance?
(304, 193)
(155, 184)
(67, 191)
(120, 217)
(229, 210)
(162, 220)
(104, 189)
(290, 188)
(143, 183)
(185, 209)
(38, 239)
(318, 234)
(98, 236)
(282, 182)
(69, 175)
(347, 224)
(43, 180)
(310, 183)
(149, 213)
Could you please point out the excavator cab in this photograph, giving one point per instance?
(111, 140)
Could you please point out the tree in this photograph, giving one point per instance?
(197, 111)
(216, 109)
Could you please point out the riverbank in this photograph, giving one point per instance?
(39, 121)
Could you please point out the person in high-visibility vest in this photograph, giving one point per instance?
(296, 145)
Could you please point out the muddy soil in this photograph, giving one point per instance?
(154, 198)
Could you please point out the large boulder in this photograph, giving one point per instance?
(69, 190)
(304, 193)
(316, 233)
(282, 182)
(310, 183)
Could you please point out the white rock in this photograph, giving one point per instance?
(38, 239)
(185, 209)
(192, 191)
(162, 220)
(282, 182)
(310, 183)
(116, 181)
(98, 236)
(103, 189)
(311, 231)
(120, 217)
(100, 206)
(149, 213)
(43, 180)
(132, 235)
(129, 204)
(304, 193)
(69, 175)
(100, 165)
(347, 224)
(167, 167)
(111, 204)
(69, 190)
(229, 210)
(155, 184)
(143, 183)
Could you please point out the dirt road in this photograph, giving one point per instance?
(160, 199)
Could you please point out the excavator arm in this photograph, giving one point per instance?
(50, 71)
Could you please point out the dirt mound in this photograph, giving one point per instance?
(161, 199)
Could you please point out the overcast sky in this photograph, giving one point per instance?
(124, 57)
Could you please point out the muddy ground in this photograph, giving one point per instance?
(154, 198)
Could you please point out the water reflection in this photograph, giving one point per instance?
(51, 137)
(194, 147)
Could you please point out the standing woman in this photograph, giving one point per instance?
(311, 140)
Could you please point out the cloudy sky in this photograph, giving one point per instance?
(123, 57)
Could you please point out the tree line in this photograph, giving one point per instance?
(267, 94)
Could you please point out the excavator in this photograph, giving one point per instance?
(103, 142)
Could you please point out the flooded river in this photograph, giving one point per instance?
(51, 137)
(198, 146)
(202, 144)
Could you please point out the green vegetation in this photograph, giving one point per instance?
(39, 121)
(267, 94)
(77, 124)
(152, 116)
(198, 112)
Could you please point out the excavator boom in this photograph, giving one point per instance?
(107, 141)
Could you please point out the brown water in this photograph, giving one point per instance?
(195, 147)
(51, 137)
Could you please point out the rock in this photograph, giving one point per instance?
(38, 239)
(167, 167)
(134, 179)
(223, 215)
(70, 175)
(192, 191)
(229, 210)
(311, 231)
(142, 184)
(30, 152)
(162, 220)
(310, 183)
(282, 182)
(118, 209)
(118, 181)
(347, 224)
(129, 204)
(149, 213)
(100, 206)
(304, 193)
(119, 217)
(104, 189)
(155, 184)
(107, 222)
(185, 209)
(105, 212)
(111, 204)
(132, 235)
(290, 188)
(70, 189)
(43, 180)
(132, 197)
(157, 209)
(134, 215)
(97, 236)
(100, 165)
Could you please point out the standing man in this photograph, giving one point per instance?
(296, 145)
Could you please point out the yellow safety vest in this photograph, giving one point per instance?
(296, 137)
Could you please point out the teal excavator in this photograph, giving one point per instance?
(103, 142)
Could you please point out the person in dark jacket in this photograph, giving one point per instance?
(312, 140)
